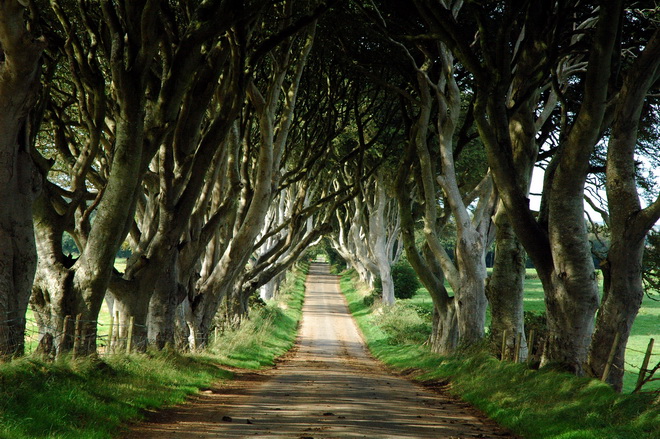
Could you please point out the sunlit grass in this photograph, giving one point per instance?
(535, 404)
(268, 333)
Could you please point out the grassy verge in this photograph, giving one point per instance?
(534, 404)
(92, 399)
(645, 326)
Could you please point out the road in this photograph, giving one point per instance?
(329, 387)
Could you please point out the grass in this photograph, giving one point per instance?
(93, 398)
(534, 404)
(646, 326)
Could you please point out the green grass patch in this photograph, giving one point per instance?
(535, 404)
(93, 399)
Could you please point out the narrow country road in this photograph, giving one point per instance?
(329, 388)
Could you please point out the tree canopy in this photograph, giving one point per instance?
(215, 141)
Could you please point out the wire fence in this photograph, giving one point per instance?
(645, 372)
(112, 335)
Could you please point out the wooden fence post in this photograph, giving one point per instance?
(77, 336)
(645, 364)
(110, 332)
(129, 341)
(516, 353)
(530, 345)
(503, 357)
(610, 358)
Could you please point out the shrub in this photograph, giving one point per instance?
(404, 324)
(406, 282)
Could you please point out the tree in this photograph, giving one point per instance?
(629, 223)
(434, 107)
(110, 121)
(20, 53)
(543, 36)
(273, 110)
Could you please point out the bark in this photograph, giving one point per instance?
(19, 181)
(505, 286)
(50, 300)
(444, 337)
(380, 240)
(467, 273)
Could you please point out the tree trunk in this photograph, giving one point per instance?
(50, 307)
(445, 332)
(505, 287)
(168, 295)
(471, 294)
(18, 256)
(622, 299)
(629, 223)
(378, 242)
(19, 184)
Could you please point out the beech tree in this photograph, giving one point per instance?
(127, 104)
(629, 223)
(557, 240)
(273, 109)
(20, 53)
(433, 104)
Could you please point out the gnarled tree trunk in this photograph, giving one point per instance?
(19, 181)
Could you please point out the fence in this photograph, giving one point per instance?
(646, 372)
(112, 337)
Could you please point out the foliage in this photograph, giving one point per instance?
(375, 295)
(534, 404)
(334, 258)
(406, 282)
(404, 323)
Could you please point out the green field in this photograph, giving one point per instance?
(647, 326)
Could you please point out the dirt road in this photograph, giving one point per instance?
(329, 388)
